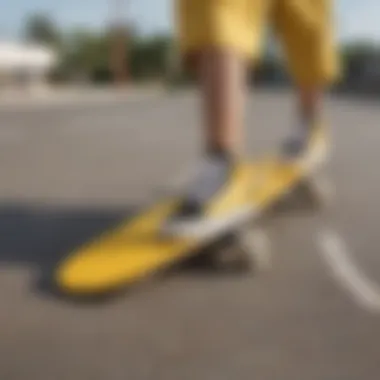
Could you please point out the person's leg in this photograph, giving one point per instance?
(309, 103)
(223, 35)
(222, 81)
(221, 77)
(305, 27)
(309, 110)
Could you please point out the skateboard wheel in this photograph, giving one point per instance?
(245, 251)
(256, 245)
(318, 191)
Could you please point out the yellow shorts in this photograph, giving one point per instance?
(303, 26)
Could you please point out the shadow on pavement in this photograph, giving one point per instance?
(39, 236)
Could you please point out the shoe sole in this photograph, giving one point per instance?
(205, 229)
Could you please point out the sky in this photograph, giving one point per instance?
(354, 19)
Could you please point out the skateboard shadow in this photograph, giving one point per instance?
(39, 237)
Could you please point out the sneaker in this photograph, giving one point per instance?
(307, 148)
(216, 198)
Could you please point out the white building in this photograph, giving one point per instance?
(24, 65)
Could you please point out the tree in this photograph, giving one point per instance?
(39, 28)
(148, 57)
(360, 61)
(86, 56)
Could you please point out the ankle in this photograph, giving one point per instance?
(220, 152)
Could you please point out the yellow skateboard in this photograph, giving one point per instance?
(135, 249)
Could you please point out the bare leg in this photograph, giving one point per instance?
(309, 112)
(310, 100)
(222, 84)
(222, 77)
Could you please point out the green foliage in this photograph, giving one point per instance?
(360, 61)
(39, 28)
(86, 55)
(148, 57)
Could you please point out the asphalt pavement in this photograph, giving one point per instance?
(71, 170)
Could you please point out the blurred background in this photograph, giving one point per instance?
(131, 42)
(89, 132)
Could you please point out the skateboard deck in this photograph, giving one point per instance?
(135, 249)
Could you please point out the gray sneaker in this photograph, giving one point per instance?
(307, 148)
(296, 146)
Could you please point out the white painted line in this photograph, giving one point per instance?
(365, 292)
